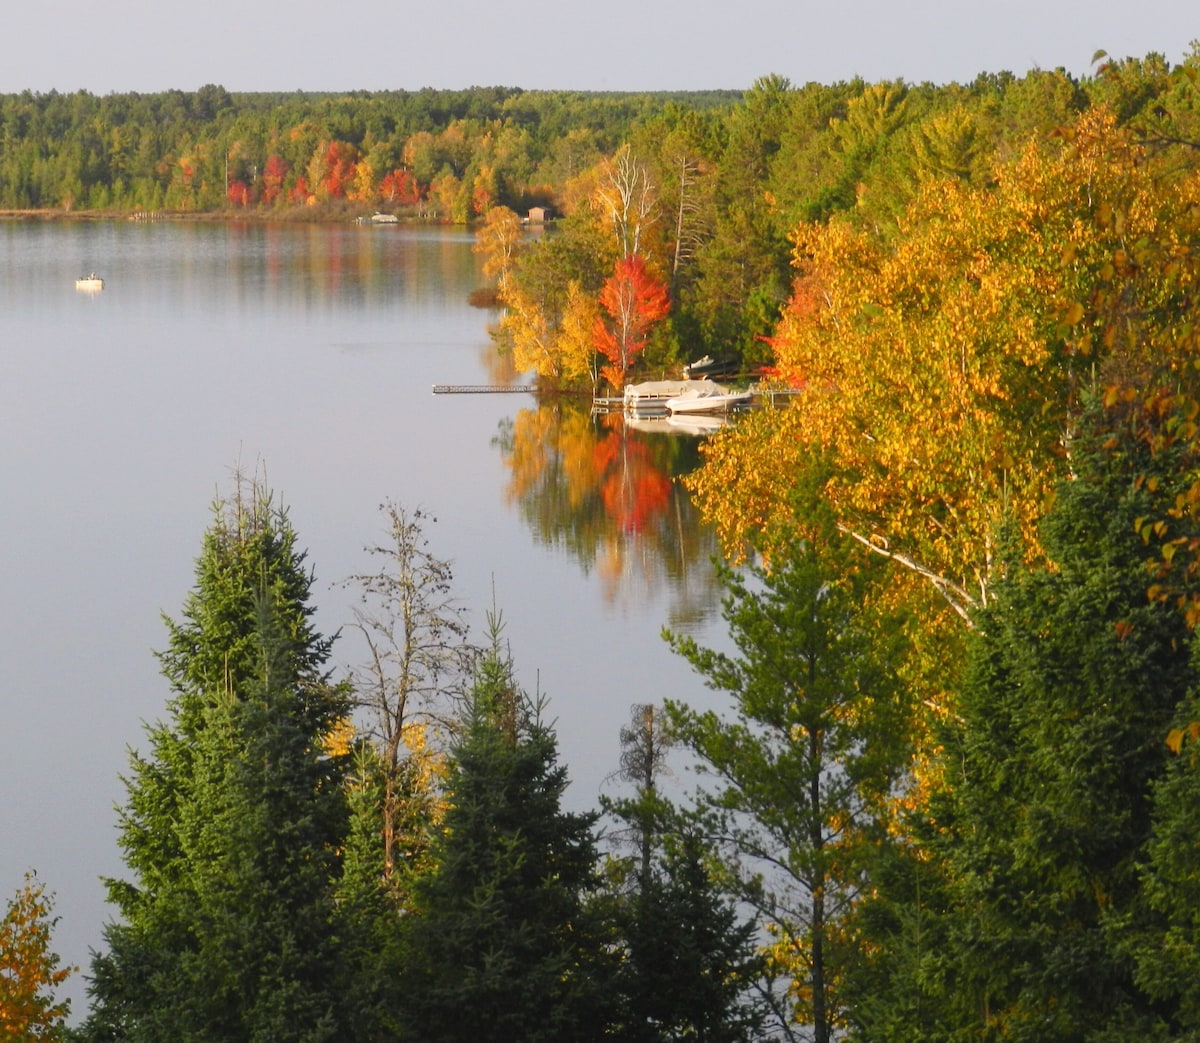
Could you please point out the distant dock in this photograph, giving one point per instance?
(483, 389)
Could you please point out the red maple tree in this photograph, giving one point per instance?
(634, 300)
(239, 193)
(274, 172)
(400, 187)
(339, 169)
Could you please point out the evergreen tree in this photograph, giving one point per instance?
(810, 755)
(689, 959)
(1073, 681)
(690, 964)
(504, 945)
(234, 819)
(1166, 946)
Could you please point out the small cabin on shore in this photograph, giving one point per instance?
(539, 215)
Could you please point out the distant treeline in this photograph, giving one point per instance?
(706, 188)
(458, 153)
(453, 151)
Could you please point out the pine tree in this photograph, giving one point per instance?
(689, 960)
(234, 818)
(1073, 682)
(809, 755)
(504, 945)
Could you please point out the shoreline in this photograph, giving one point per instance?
(297, 215)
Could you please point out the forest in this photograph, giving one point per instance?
(952, 794)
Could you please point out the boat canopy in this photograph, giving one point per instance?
(653, 390)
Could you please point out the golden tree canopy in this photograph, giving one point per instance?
(939, 369)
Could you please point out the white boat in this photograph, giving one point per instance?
(90, 283)
(708, 368)
(707, 396)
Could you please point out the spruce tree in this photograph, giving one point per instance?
(689, 961)
(1074, 678)
(690, 966)
(235, 816)
(505, 945)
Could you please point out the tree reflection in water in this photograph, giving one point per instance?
(608, 495)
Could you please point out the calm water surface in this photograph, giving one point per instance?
(308, 354)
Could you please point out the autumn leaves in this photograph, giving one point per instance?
(942, 363)
(581, 306)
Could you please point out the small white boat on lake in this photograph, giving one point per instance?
(90, 284)
(707, 396)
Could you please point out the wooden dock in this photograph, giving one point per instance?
(483, 389)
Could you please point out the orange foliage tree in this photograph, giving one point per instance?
(484, 190)
(332, 168)
(275, 171)
(29, 969)
(634, 300)
(400, 187)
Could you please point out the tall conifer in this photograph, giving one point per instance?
(1074, 679)
(504, 945)
(234, 817)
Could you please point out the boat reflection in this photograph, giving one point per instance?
(604, 489)
(690, 424)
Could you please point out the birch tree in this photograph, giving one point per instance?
(629, 199)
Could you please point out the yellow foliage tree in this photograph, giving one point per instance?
(29, 969)
(941, 369)
(576, 343)
(498, 241)
(446, 197)
(532, 334)
(543, 283)
(365, 187)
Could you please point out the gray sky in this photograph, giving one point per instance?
(148, 45)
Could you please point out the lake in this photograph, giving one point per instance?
(306, 354)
